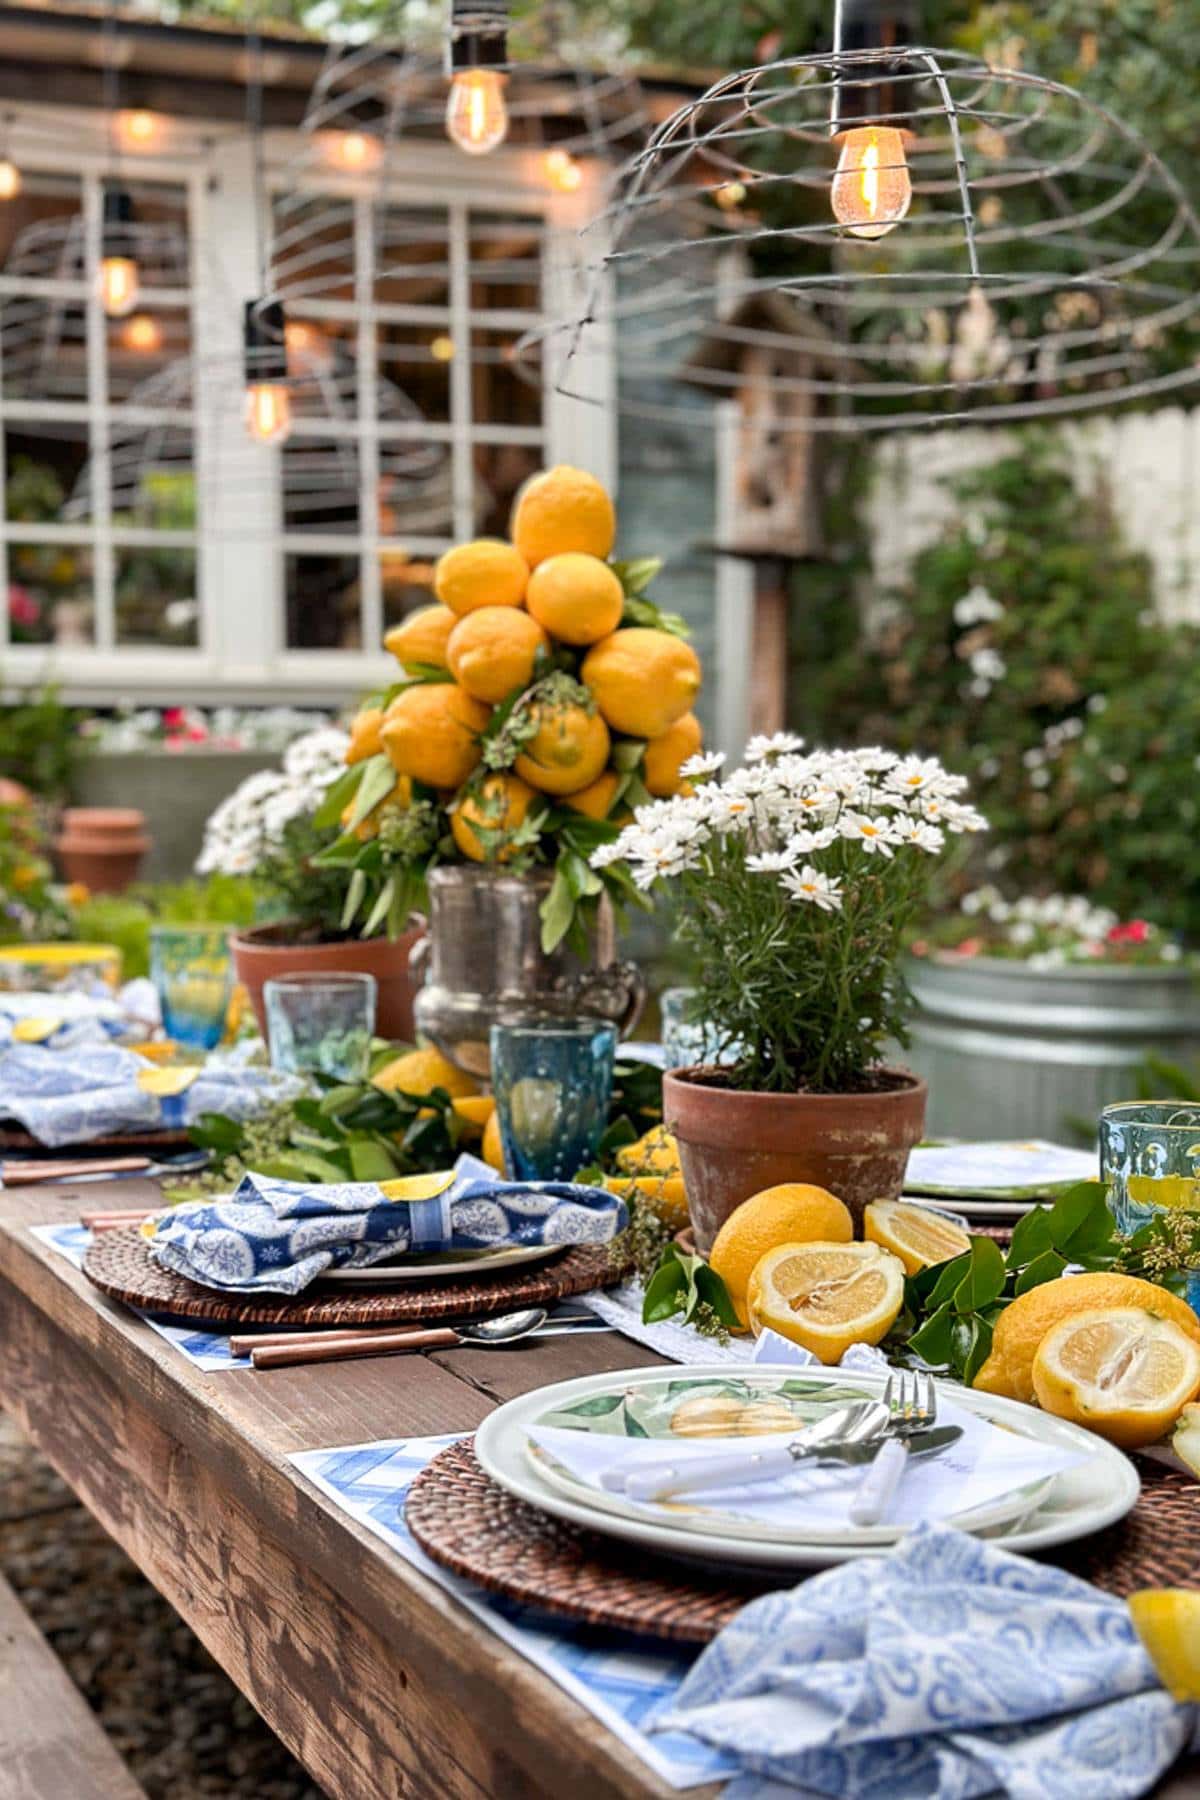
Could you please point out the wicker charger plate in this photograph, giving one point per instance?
(120, 1264)
(468, 1523)
(15, 1137)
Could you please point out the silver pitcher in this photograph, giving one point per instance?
(483, 960)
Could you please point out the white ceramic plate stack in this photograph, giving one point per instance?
(428, 1265)
(995, 1183)
(1097, 1490)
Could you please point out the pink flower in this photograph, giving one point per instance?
(969, 947)
(1137, 931)
(23, 609)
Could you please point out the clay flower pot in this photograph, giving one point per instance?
(733, 1144)
(268, 951)
(102, 846)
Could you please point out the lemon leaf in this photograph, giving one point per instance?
(337, 796)
(984, 1279)
(1046, 1267)
(378, 780)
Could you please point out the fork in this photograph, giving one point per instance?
(909, 1413)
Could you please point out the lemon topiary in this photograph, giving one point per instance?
(485, 572)
(493, 650)
(499, 804)
(562, 509)
(567, 751)
(664, 755)
(576, 597)
(421, 638)
(431, 733)
(643, 679)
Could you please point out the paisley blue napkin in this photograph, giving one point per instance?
(276, 1236)
(63, 1021)
(71, 1096)
(951, 1668)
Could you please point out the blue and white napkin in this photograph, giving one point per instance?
(72, 1096)
(277, 1236)
(951, 1668)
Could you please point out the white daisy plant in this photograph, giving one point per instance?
(796, 880)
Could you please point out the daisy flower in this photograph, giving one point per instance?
(809, 885)
(875, 835)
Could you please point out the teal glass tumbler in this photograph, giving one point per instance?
(321, 1024)
(192, 973)
(553, 1081)
(1150, 1165)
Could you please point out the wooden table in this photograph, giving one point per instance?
(372, 1676)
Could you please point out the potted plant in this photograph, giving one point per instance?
(1098, 995)
(542, 697)
(795, 882)
(271, 827)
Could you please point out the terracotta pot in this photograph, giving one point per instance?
(732, 1144)
(102, 846)
(267, 951)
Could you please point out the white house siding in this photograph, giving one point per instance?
(1148, 462)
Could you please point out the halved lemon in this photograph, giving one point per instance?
(166, 1083)
(1168, 1622)
(826, 1296)
(920, 1238)
(1122, 1372)
(417, 1187)
(34, 1031)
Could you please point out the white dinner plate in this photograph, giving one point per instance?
(988, 1212)
(1071, 1505)
(444, 1263)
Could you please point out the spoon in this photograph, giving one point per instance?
(337, 1346)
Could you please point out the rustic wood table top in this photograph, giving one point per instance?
(374, 1677)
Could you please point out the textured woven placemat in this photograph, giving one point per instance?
(468, 1523)
(119, 1262)
(15, 1137)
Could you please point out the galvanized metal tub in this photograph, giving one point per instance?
(1009, 1051)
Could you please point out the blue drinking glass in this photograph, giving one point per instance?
(321, 1024)
(1150, 1163)
(553, 1080)
(191, 970)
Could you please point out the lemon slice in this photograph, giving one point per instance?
(1168, 1622)
(417, 1187)
(826, 1296)
(1165, 1190)
(1120, 1371)
(920, 1238)
(34, 1031)
(155, 1050)
(166, 1083)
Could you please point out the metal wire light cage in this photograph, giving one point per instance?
(1046, 262)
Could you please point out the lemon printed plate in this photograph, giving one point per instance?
(428, 1265)
(712, 1403)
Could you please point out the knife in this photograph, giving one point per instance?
(864, 1421)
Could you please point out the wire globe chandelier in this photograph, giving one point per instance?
(886, 236)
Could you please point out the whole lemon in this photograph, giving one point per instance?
(398, 797)
(418, 1072)
(562, 509)
(794, 1212)
(1026, 1320)
(486, 572)
(431, 733)
(364, 735)
(567, 752)
(595, 801)
(421, 638)
(576, 597)
(499, 804)
(665, 754)
(493, 650)
(643, 679)
(492, 1147)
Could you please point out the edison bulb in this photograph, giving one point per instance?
(142, 333)
(118, 285)
(268, 411)
(356, 149)
(10, 179)
(139, 127)
(476, 116)
(872, 188)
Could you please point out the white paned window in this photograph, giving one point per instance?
(147, 549)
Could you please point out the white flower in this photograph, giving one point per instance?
(803, 843)
(923, 775)
(988, 665)
(780, 743)
(921, 833)
(708, 762)
(873, 834)
(977, 607)
(874, 761)
(809, 885)
(1023, 932)
(774, 862)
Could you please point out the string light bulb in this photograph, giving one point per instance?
(872, 188)
(562, 171)
(139, 127)
(476, 115)
(143, 334)
(268, 405)
(119, 282)
(10, 179)
(356, 150)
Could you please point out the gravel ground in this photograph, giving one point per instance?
(184, 1729)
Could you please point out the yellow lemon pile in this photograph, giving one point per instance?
(534, 625)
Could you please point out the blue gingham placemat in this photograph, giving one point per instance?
(615, 1678)
(206, 1349)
